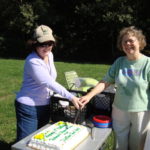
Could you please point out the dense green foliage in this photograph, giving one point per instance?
(85, 30)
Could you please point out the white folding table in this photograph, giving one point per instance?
(94, 142)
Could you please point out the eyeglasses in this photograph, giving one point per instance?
(45, 44)
(131, 41)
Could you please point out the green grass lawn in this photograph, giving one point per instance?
(11, 72)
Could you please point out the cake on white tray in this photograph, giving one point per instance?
(59, 136)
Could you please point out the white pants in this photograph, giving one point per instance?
(130, 129)
(147, 142)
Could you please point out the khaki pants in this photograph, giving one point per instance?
(130, 129)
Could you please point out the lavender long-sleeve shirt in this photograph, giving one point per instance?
(39, 82)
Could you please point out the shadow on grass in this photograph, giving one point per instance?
(5, 146)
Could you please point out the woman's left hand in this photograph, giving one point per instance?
(77, 103)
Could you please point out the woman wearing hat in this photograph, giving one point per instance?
(32, 101)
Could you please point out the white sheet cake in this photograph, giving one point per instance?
(59, 136)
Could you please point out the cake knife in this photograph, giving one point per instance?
(77, 115)
(91, 126)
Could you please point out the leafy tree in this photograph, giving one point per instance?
(85, 29)
(18, 22)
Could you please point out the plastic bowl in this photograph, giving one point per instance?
(102, 121)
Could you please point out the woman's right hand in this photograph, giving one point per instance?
(97, 89)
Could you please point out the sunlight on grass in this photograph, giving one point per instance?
(7, 122)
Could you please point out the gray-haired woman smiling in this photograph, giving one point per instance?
(131, 74)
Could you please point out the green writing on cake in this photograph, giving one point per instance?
(55, 137)
(61, 132)
(71, 134)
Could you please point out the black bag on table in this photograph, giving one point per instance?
(101, 104)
